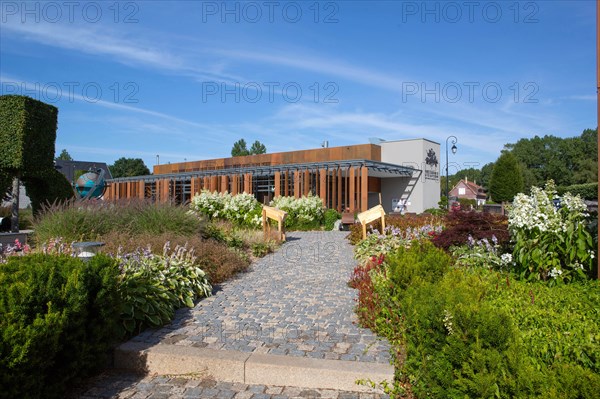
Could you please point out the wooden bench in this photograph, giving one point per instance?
(269, 212)
(371, 215)
(347, 219)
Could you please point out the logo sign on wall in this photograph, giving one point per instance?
(431, 165)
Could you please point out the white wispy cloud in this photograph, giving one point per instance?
(131, 152)
(120, 47)
(52, 92)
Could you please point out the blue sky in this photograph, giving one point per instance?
(185, 79)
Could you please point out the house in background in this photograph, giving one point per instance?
(469, 190)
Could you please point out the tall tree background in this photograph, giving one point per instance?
(567, 161)
(240, 148)
(507, 178)
(127, 167)
(64, 156)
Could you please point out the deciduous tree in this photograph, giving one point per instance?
(127, 167)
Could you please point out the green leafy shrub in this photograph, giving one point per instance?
(153, 286)
(467, 203)
(58, 319)
(422, 261)
(551, 242)
(435, 211)
(261, 249)
(472, 332)
(330, 217)
(588, 191)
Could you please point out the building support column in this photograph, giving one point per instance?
(277, 184)
(306, 187)
(352, 191)
(234, 184)
(141, 190)
(224, 183)
(108, 193)
(339, 190)
(193, 187)
(323, 186)
(334, 204)
(248, 183)
(297, 176)
(164, 190)
(364, 189)
(286, 183)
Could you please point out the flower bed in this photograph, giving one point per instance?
(490, 320)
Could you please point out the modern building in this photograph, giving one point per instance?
(403, 174)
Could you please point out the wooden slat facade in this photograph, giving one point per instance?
(363, 151)
(340, 186)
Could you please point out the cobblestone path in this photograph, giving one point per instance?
(295, 302)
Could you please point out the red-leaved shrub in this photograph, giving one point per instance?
(459, 225)
(368, 305)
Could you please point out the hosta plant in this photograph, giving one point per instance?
(482, 253)
(152, 286)
(550, 234)
(391, 239)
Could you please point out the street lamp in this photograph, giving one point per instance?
(454, 141)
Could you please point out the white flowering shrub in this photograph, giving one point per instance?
(241, 209)
(303, 213)
(550, 235)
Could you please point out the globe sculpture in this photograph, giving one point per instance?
(91, 185)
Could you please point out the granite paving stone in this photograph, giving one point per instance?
(294, 302)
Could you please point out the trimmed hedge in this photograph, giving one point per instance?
(47, 188)
(588, 191)
(58, 319)
(27, 134)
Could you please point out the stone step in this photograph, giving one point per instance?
(250, 368)
(126, 385)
